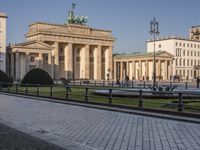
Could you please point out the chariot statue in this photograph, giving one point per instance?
(74, 19)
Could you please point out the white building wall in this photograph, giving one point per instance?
(183, 50)
(3, 41)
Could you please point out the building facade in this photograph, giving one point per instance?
(65, 51)
(140, 66)
(186, 54)
(3, 18)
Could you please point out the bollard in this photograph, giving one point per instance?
(132, 83)
(112, 83)
(180, 103)
(0, 86)
(38, 89)
(26, 91)
(67, 92)
(16, 86)
(51, 91)
(186, 85)
(103, 83)
(110, 96)
(140, 99)
(86, 94)
(144, 84)
(95, 83)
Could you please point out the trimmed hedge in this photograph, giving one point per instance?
(37, 76)
(4, 79)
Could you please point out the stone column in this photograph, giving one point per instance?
(56, 60)
(50, 65)
(17, 66)
(165, 71)
(115, 70)
(110, 62)
(41, 60)
(12, 67)
(159, 68)
(140, 69)
(170, 68)
(121, 70)
(69, 61)
(133, 69)
(99, 62)
(87, 62)
(147, 68)
(27, 62)
(127, 68)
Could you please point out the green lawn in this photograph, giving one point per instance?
(78, 93)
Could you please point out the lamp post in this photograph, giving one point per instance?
(154, 31)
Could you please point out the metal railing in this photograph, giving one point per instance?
(85, 92)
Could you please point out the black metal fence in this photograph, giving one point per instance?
(136, 95)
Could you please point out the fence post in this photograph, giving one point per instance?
(140, 99)
(95, 83)
(16, 86)
(67, 92)
(86, 93)
(132, 83)
(0, 86)
(180, 103)
(112, 83)
(38, 89)
(110, 96)
(26, 91)
(51, 91)
(186, 85)
(80, 83)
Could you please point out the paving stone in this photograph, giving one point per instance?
(95, 128)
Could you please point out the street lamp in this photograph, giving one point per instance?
(154, 30)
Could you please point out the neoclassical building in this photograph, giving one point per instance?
(3, 18)
(140, 65)
(186, 52)
(72, 50)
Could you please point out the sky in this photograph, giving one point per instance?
(129, 20)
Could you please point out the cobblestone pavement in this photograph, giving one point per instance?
(99, 129)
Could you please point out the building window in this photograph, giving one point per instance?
(61, 50)
(188, 53)
(176, 44)
(180, 62)
(184, 53)
(191, 62)
(176, 62)
(188, 62)
(183, 73)
(191, 45)
(191, 53)
(46, 57)
(159, 46)
(198, 53)
(194, 53)
(191, 72)
(183, 44)
(180, 44)
(32, 59)
(194, 45)
(183, 62)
